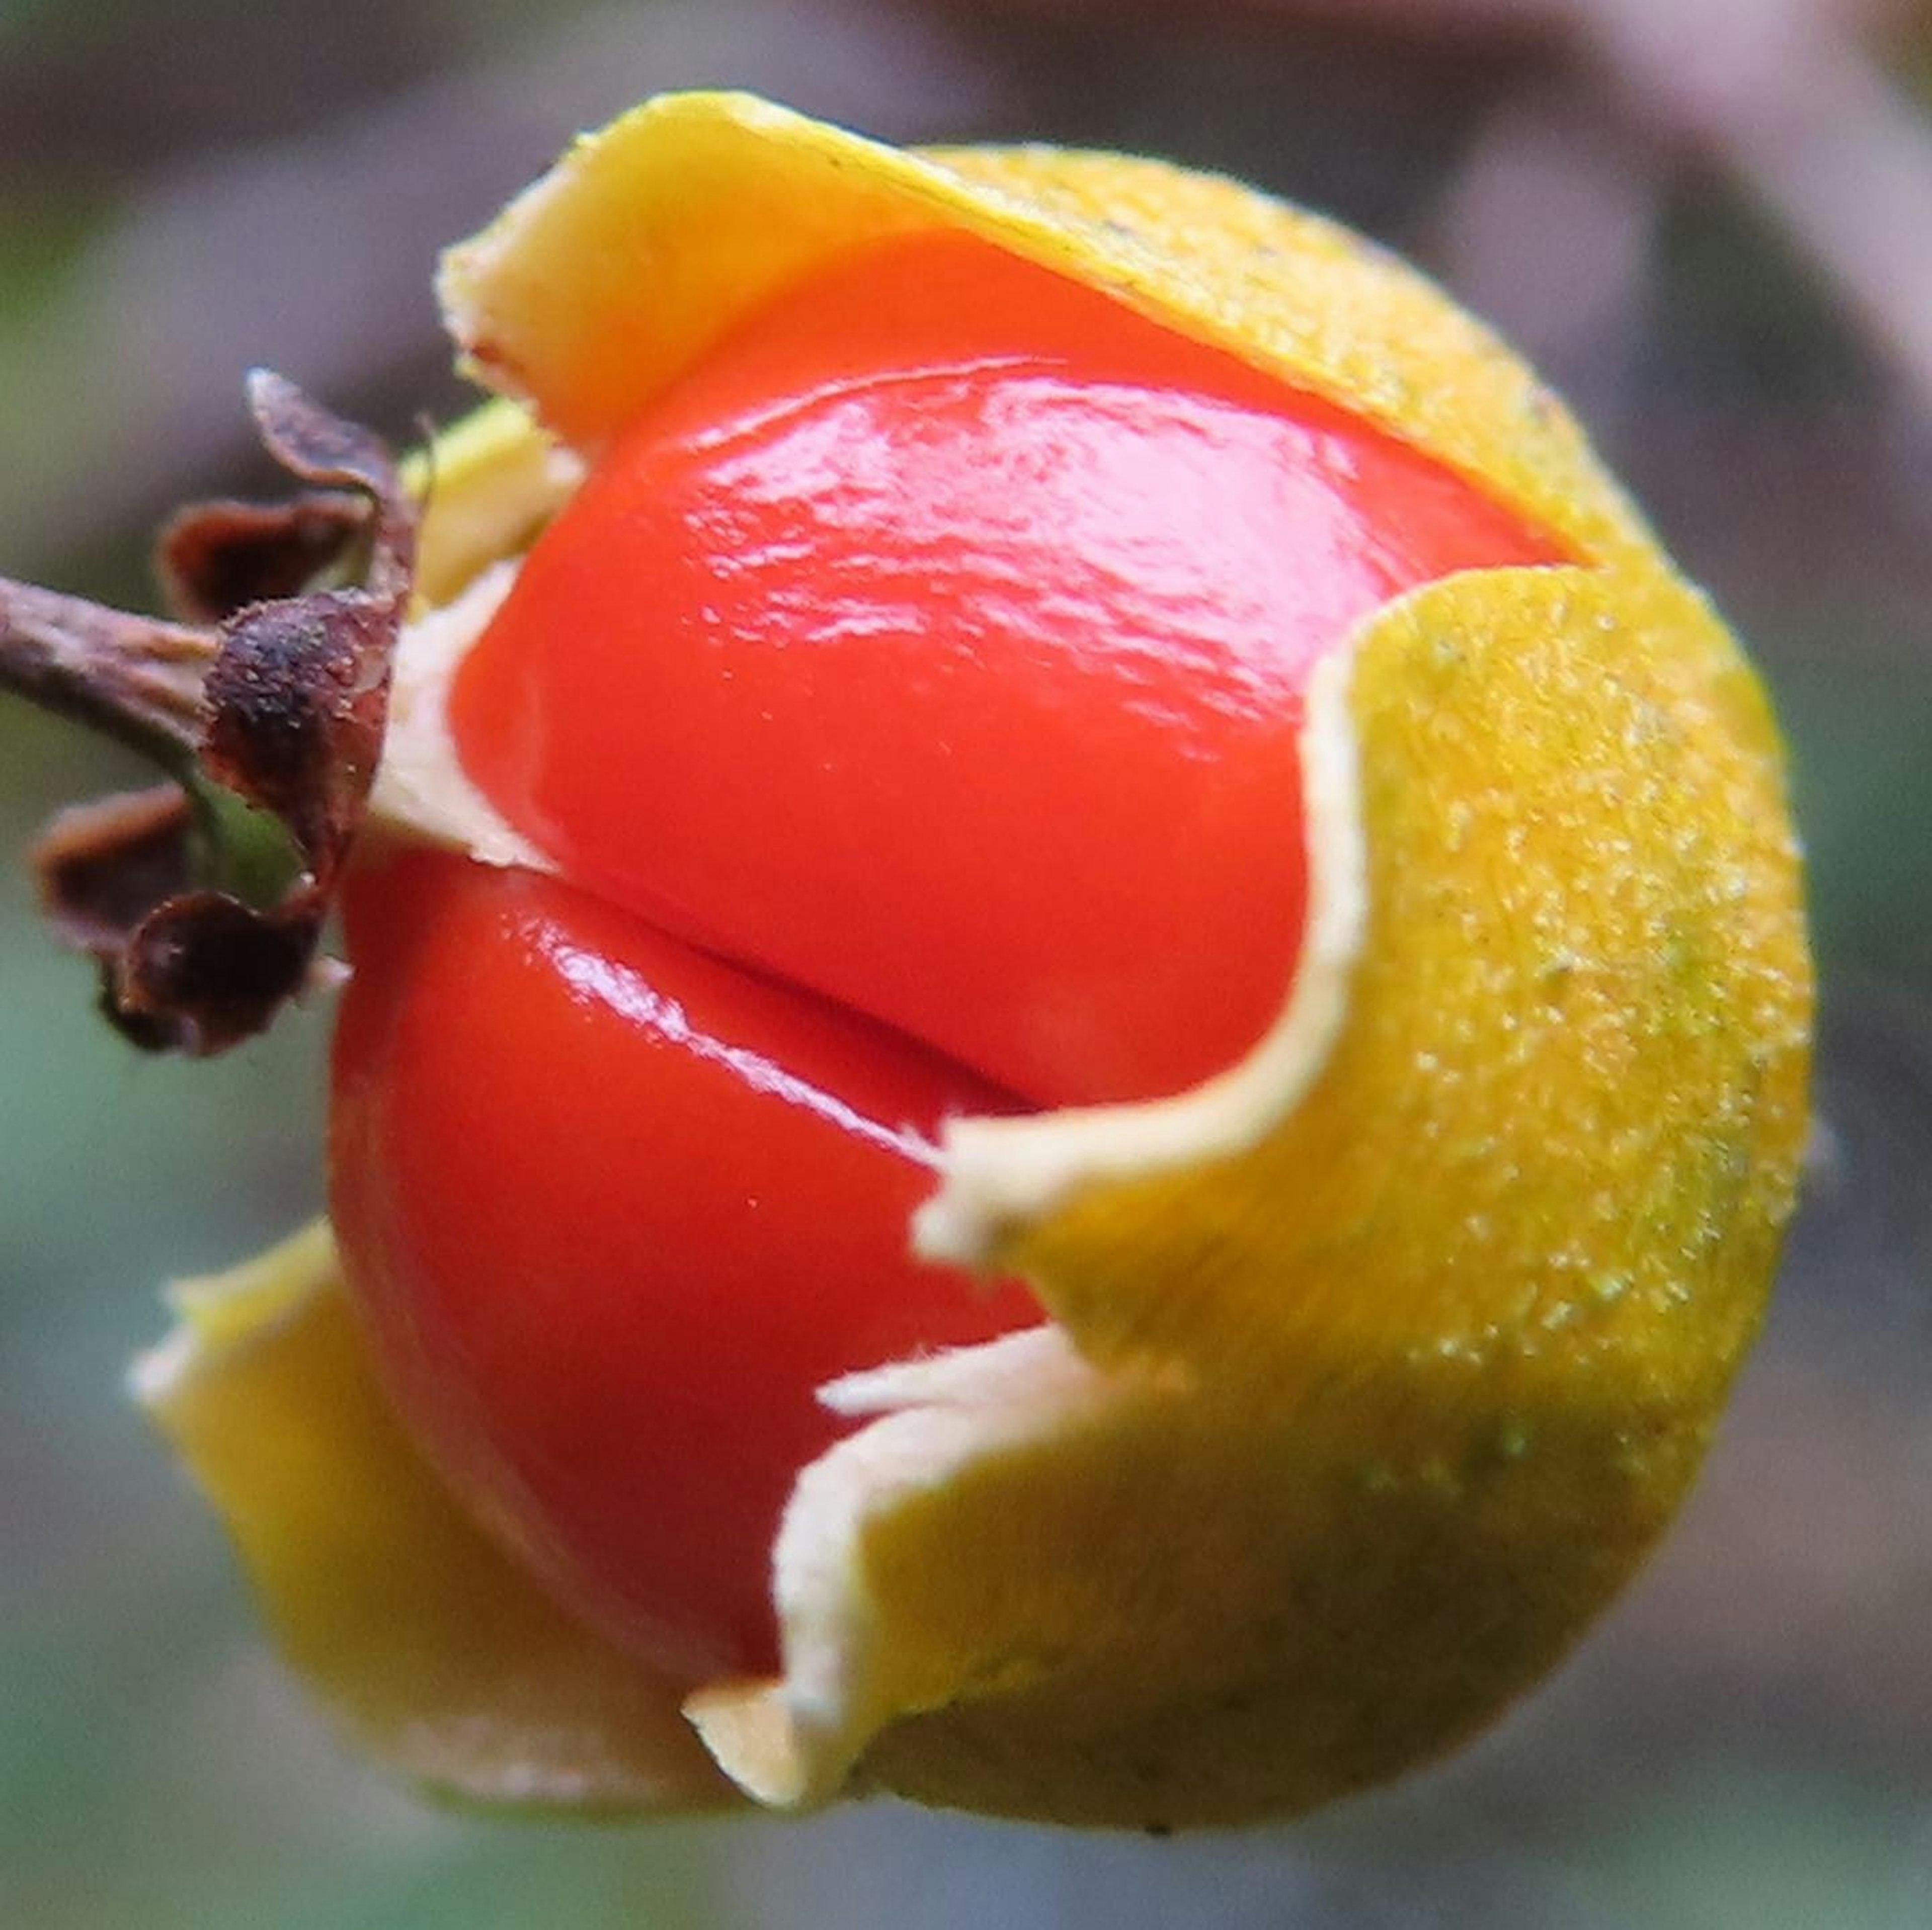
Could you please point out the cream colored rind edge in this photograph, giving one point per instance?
(421, 791)
(995, 1173)
(791, 1743)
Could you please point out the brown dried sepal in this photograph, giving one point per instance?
(289, 713)
(214, 558)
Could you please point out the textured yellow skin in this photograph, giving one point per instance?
(428, 1642)
(601, 284)
(1400, 1394)
(1453, 1339)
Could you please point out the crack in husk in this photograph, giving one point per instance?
(202, 899)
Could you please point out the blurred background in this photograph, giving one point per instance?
(1710, 220)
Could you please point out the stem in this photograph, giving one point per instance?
(137, 679)
(141, 680)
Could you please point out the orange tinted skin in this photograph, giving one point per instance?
(910, 699)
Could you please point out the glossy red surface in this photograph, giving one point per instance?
(939, 642)
(613, 1211)
(911, 699)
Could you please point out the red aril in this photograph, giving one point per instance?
(909, 702)
(939, 642)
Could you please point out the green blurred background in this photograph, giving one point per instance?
(1701, 219)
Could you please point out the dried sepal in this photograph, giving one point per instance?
(298, 697)
(101, 867)
(214, 558)
(204, 902)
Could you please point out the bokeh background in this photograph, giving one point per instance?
(1710, 220)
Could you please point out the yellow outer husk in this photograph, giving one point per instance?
(427, 1641)
(1360, 1419)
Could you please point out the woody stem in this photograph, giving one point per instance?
(137, 679)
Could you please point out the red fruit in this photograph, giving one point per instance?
(910, 701)
(615, 1209)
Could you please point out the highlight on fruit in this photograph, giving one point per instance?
(1075, 1015)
